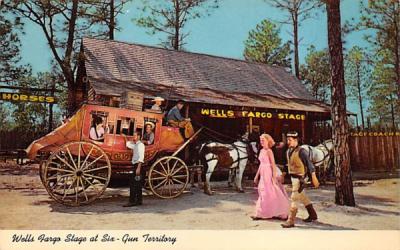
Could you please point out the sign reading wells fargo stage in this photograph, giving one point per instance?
(17, 97)
(227, 113)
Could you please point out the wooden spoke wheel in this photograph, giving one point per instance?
(168, 177)
(41, 171)
(42, 164)
(77, 173)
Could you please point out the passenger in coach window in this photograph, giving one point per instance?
(97, 131)
(148, 136)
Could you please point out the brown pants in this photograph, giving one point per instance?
(187, 125)
(296, 196)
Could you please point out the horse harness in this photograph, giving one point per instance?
(325, 155)
(237, 149)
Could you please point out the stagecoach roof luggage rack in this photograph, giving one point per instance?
(132, 100)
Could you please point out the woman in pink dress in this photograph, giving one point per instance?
(273, 201)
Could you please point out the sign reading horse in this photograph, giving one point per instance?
(18, 97)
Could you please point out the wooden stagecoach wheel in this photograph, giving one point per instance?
(168, 177)
(77, 173)
(41, 171)
(42, 164)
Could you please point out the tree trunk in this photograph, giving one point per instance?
(359, 96)
(369, 123)
(71, 99)
(392, 113)
(296, 45)
(50, 128)
(343, 184)
(66, 67)
(176, 44)
(397, 55)
(112, 20)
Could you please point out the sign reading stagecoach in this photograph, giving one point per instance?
(374, 133)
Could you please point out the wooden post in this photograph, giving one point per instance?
(186, 111)
(50, 128)
(187, 148)
(250, 125)
(303, 131)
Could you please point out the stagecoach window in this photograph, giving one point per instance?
(149, 131)
(98, 125)
(110, 127)
(125, 126)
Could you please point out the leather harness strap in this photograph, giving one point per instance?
(310, 153)
(235, 147)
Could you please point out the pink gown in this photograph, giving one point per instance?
(273, 200)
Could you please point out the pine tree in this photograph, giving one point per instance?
(357, 77)
(340, 128)
(64, 23)
(264, 45)
(298, 11)
(170, 17)
(385, 106)
(383, 16)
(316, 73)
(10, 29)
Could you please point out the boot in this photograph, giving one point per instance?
(132, 195)
(138, 190)
(312, 215)
(290, 221)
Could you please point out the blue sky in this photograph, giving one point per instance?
(222, 33)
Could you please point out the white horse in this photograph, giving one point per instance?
(233, 156)
(321, 156)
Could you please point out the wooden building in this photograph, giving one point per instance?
(228, 95)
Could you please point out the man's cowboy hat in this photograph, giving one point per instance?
(149, 123)
(157, 98)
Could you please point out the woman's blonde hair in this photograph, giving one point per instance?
(268, 138)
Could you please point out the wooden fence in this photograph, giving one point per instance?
(380, 153)
(16, 139)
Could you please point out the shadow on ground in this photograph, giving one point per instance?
(113, 201)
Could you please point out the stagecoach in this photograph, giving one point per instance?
(75, 170)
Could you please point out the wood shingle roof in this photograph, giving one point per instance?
(112, 67)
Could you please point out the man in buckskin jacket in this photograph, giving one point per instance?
(298, 163)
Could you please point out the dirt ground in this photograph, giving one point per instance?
(26, 205)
